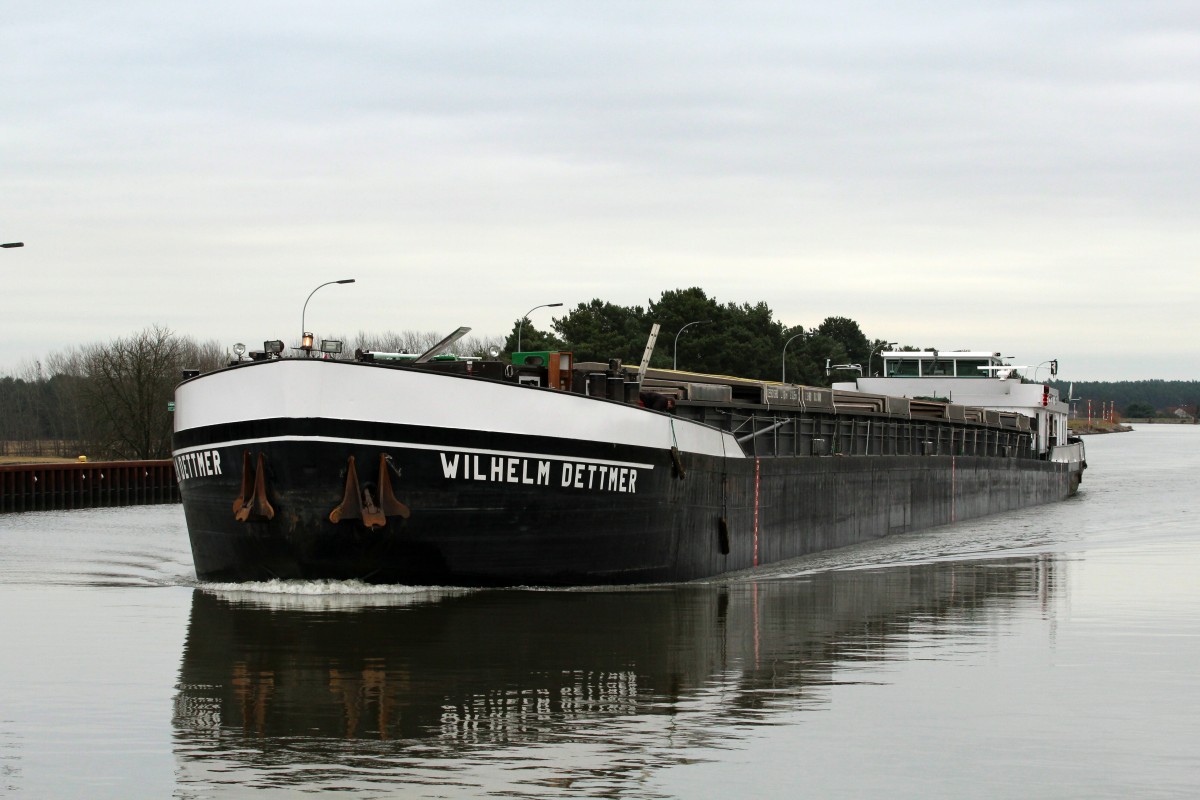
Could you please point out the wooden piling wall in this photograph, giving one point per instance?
(45, 487)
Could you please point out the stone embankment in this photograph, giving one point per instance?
(1080, 427)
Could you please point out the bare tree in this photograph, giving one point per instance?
(129, 383)
(479, 346)
(71, 423)
(25, 415)
(411, 341)
(204, 356)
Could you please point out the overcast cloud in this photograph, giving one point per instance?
(989, 175)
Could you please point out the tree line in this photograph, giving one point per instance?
(699, 334)
(110, 400)
(1133, 399)
(105, 400)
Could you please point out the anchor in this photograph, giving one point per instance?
(387, 498)
(251, 504)
(359, 503)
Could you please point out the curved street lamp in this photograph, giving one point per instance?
(1052, 363)
(306, 340)
(783, 359)
(877, 350)
(675, 350)
(521, 325)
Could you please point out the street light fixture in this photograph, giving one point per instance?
(521, 325)
(783, 365)
(675, 351)
(877, 350)
(1053, 364)
(7, 245)
(306, 341)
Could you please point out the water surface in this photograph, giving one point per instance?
(1049, 652)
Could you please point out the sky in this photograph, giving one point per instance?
(1006, 176)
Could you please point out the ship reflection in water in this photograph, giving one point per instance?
(344, 691)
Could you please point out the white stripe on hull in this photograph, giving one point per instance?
(444, 448)
(314, 389)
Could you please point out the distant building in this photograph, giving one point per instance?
(1184, 413)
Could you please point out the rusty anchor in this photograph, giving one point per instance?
(359, 503)
(251, 504)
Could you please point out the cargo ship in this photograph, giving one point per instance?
(433, 469)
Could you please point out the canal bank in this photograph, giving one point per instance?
(91, 484)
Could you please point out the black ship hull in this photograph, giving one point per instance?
(361, 476)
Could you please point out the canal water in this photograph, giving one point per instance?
(1052, 652)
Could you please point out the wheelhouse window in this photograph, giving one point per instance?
(970, 368)
(943, 366)
(902, 368)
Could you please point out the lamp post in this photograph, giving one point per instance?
(521, 324)
(877, 350)
(1053, 364)
(306, 340)
(675, 350)
(783, 365)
